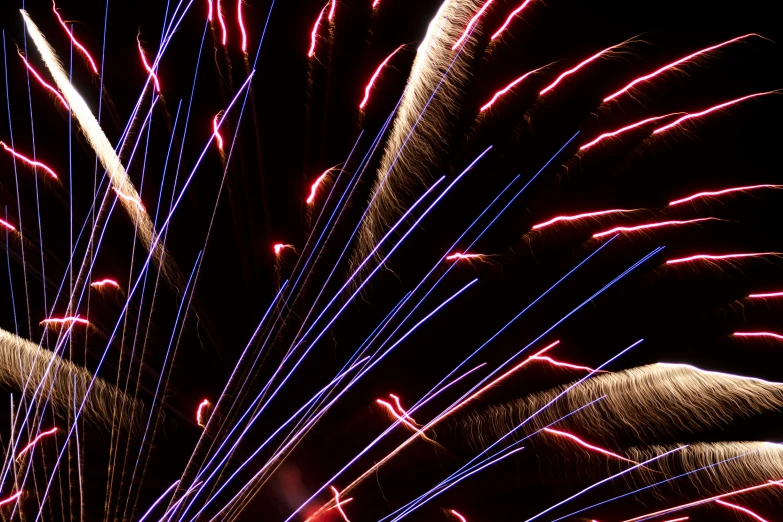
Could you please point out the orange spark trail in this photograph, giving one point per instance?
(241, 26)
(29, 161)
(10, 499)
(200, 413)
(652, 225)
(75, 41)
(762, 296)
(209, 13)
(758, 334)
(469, 27)
(460, 517)
(580, 216)
(35, 441)
(43, 82)
(565, 365)
(63, 320)
(706, 500)
(339, 504)
(585, 444)
(278, 247)
(459, 255)
(104, 282)
(579, 66)
(222, 23)
(673, 65)
(510, 18)
(711, 109)
(740, 508)
(216, 131)
(128, 198)
(333, 4)
(377, 73)
(504, 90)
(147, 65)
(709, 257)
(721, 192)
(315, 185)
(624, 129)
(7, 225)
(314, 33)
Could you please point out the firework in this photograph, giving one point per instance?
(29, 161)
(76, 43)
(374, 77)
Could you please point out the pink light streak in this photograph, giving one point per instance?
(333, 6)
(510, 18)
(563, 364)
(458, 255)
(759, 334)
(377, 73)
(10, 499)
(473, 21)
(314, 187)
(460, 517)
(35, 441)
(126, 197)
(504, 90)
(743, 509)
(209, 13)
(105, 282)
(585, 444)
(580, 216)
(709, 257)
(29, 161)
(200, 413)
(721, 192)
(147, 65)
(574, 69)
(76, 43)
(338, 504)
(216, 131)
(63, 320)
(376, 3)
(676, 519)
(399, 416)
(43, 82)
(314, 33)
(7, 225)
(763, 296)
(711, 109)
(625, 129)
(278, 247)
(652, 225)
(400, 408)
(241, 23)
(223, 30)
(673, 65)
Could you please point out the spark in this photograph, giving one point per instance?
(740, 508)
(43, 82)
(759, 334)
(35, 441)
(241, 22)
(460, 517)
(314, 33)
(29, 161)
(131, 199)
(209, 13)
(200, 413)
(565, 365)
(721, 192)
(216, 131)
(580, 216)
(333, 6)
(278, 247)
(651, 225)
(504, 90)
(473, 21)
(377, 73)
(76, 43)
(709, 257)
(339, 504)
(147, 65)
(673, 65)
(63, 320)
(510, 18)
(762, 296)
(624, 129)
(574, 69)
(585, 444)
(315, 185)
(222, 23)
(711, 109)
(10, 499)
(399, 416)
(104, 282)
(459, 255)
(7, 225)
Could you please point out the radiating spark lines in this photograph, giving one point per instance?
(673, 65)
(146, 64)
(582, 443)
(105, 282)
(473, 21)
(742, 509)
(10, 499)
(576, 68)
(374, 77)
(314, 187)
(709, 257)
(505, 89)
(129, 199)
(29, 161)
(578, 217)
(687, 117)
(76, 43)
(338, 504)
(721, 192)
(216, 131)
(460, 517)
(241, 22)
(510, 18)
(625, 129)
(456, 256)
(35, 441)
(200, 412)
(314, 32)
(65, 320)
(759, 334)
(652, 225)
(7, 225)
(766, 295)
(279, 247)
(43, 82)
(221, 20)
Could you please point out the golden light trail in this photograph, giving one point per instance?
(43, 82)
(216, 131)
(35, 441)
(759, 334)
(29, 161)
(473, 21)
(105, 282)
(510, 18)
(578, 66)
(64, 320)
(76, 43)
(200, 413)
(709, 257)
(674, 64)
(505, 89)
(460, 517)
(377, 73)
(223, 29)
(742, 509)
(763, 296)
(338, 504)
(577, 217)
(314, 187)
(721, 192)
(625, 129)
(7, 225)
(583, 443)
(711, 109)
(10, 499)
(241, 23)
(652, 225)
(147, 65)
(314, 33)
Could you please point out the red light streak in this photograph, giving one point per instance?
(128, 198)
(673, 65)
(147, 65)
(333, 4)
(399, 407)
(504, 90)
(104, 282)
(459, 255)
(573, 70)
(314, 33)
(10, 499)
(473, 22)
(676, 519)
(241, 22)
(460, 517)
(376, 3)
(43, 82)
(721, 192)
(399, 416)
(651, 225)
(315, 185)
(278, 247)
(35, 441)
(624, 129)
(740, 508)
(377, 73)
(709, 257)
(759, 334)
(565, 365)
(75, 41)
(7, 225)
(209, 13)
(338, 504)
(216, 131)
(510, 18)
(222, 23)
(63, 320)
(200, 412)
(580, 216)
(707, 111)
(29, 161)
(585, 444)
(762, 296)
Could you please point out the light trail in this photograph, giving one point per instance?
(333, 6)
(241, 23)
(278, 247)
(399, 416)
(743, 509)
(711, 109)
(505, 89)
(216, 131)
(459, 255)
(758, 334)
(374, 77)
(460, 517)
(35, 441)
(376, 3)
(676, 519)
(721, 192)
(673, 65)
(43, 82)
(128, 198)
(763, 296)
(709, 257)
(510, 18)
(578, 66)
(149, 69)
(105, 282)
(315, 185)
(29, 161)
(209, 13)
(338, 504)
(625, 129)
(75, 42)
(200, 412)
(223, 29)
(563, 364)
(400, 408)
(314, 33)
(652, 225)
(469, 28)
(585, 444)
(10, 499)
(64, 320)
(7, 225)
(581, 216)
